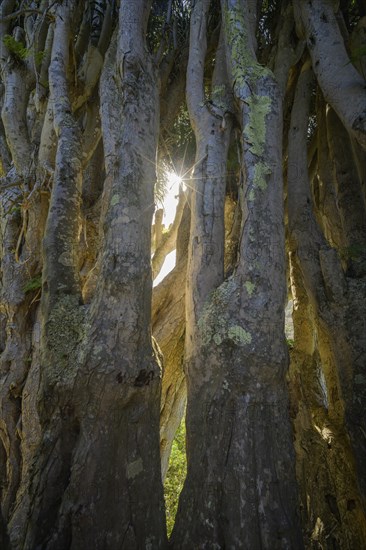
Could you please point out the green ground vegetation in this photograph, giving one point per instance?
(176, 475)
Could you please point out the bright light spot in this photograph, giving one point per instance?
(169, 206)
(174, 179)
(318, 529)
(168, 265)
(171, 198)
(325, 432)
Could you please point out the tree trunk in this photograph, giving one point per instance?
(325, 360)
(95, 479)
(239, 449)
(340, 82)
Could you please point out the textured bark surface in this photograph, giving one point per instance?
(342, 85)
(240, 457)
(93, 401)
(325, 363)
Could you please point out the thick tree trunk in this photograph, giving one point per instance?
(95, 479)
(240, 489)
(327, 396)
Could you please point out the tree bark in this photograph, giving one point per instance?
(325, 351)
(340, 82)
(98, 401)
(240, 457)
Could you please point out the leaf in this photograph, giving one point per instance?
(33, 284)
(16, 47)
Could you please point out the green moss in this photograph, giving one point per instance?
(290, 342)
(353, 252)
(64, 329)
(33, 284)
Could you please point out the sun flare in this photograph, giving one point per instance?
(174, 181)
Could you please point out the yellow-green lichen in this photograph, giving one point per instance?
(255, 129)
(261, 171)
(219, 97)
(215, 324)
(238, 335)
(217, 338)
(244, 63)
(246, 71)
(115, 200)
(249, 287)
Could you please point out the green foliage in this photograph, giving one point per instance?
(33, 284)
(38, 57)
(290, 342)
(15, 47)
(161, 185)
(358, 53)
(20, 52)
(179, 151)
(168, 23)
(353, 252)
(180, 141)
(176, 475)
(267, 23)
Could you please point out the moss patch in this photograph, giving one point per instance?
(64, 329)
(215, 324)
(250, 287)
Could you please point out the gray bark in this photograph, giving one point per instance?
(240, 489)
(99, 382)
(343, 87)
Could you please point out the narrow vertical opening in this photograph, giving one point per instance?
(176, 475)
(289, 324)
